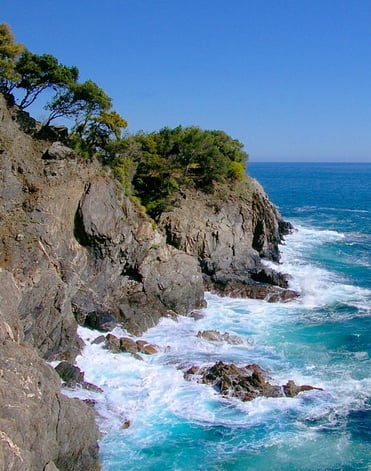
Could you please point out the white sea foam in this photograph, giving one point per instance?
(154, 396)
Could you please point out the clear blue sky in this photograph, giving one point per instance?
(291, 79)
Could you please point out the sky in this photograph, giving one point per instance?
(291, 79)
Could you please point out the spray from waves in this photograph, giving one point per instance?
(318, 285)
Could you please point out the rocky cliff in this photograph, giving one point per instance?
(230, 232)
(73, 247)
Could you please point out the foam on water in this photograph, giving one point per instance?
(320, 339)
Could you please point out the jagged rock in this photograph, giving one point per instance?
(216, 336)
(126, 344)
(196, 315)
(100, 339)
(241, 285)
(229, 234)
(69, 373)
(73, 376)
(271, 277)
(245, 383)
(53, 133)
(132, 269)
(291, 389)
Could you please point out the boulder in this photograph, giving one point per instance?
(70, 374)
(113, 343)
(245, 383)
(146, 348)
(128, 345)
(103, 321)
(58, 151)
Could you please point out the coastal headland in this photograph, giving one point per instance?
(76, 249)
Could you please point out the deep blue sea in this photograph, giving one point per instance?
(323, 339)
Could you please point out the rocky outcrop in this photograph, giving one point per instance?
(75, 249)
(245, 383)
(230, 232)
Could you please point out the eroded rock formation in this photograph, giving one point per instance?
(229, 232)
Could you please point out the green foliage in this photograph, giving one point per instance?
(181, 157)
(39, 72)
(80, 101)
(151, 167)
(103, 133)
(123, 169)
(97, 129)
(236, 171)
(9, 52)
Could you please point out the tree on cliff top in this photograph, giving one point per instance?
(183, 157)
(79, 101)
(96, 128)
(9, 53)
(38, 72)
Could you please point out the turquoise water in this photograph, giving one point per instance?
(322, 339)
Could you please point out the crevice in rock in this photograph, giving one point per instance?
(79, 230)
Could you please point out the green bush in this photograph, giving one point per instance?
(171, 159)
(236, 171)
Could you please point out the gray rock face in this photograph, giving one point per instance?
(230, 232)
(130, 270)
(37, 423)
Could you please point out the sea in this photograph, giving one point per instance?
(152, 419)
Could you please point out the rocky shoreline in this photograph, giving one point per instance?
(74, 249)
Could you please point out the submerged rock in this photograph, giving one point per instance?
(245, 383)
